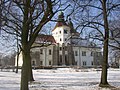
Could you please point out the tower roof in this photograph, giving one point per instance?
(60, 21)
(72, 30)
(61, 17)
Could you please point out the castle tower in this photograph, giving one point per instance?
(73, 32)
(61, 32)
(62, 35)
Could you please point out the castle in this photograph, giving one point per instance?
(64, 47)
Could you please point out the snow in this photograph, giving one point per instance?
(61, 79)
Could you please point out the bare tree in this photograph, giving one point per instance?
(26, 19)
(93, 17)
(115, 40)
(115, 34)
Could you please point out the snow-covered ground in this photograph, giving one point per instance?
(61, 79)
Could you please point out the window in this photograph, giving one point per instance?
(65, 39)
(50, 63)
(41, 51)
(41, 62)
(50, 52)
(60, 32)
(65, 57)
(60, 39)
(60, 62)
(92, 63)
(92, 53)
(84, 63)
(65, 31)
(75, 62)
(33, 63)
(76, 53)
(98, 53)
(60, 48)
(65, 48)
(83, 53)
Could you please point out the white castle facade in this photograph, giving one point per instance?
(64, 47)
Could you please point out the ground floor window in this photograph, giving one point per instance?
(50, 63)
(41, 62)
(84, 63)
(33, 63)
(65, 57)
(75, 62)
(60, 58)
(92, 63)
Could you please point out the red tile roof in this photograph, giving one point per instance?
(45, 39)
(59, 24)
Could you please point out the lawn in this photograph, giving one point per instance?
(61, 79)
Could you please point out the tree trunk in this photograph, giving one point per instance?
(26, 74)
(104, 82)
(25, 69)
(104, 66)
(30, 72)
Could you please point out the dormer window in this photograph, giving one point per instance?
(65, 31)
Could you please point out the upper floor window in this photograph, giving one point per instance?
(60, 39)
(41, 51)
(76, 53)
(60, 32)
(50, 52)
(60, 48)
(65, 31)
(65, 39)
(98, 53)
(83, 53)
(92, 53)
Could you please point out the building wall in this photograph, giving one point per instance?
(86, 60)
(45, 55)
(58, 34)
(76, 51)
(20, 61)
(37, 57)
(50, 55)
